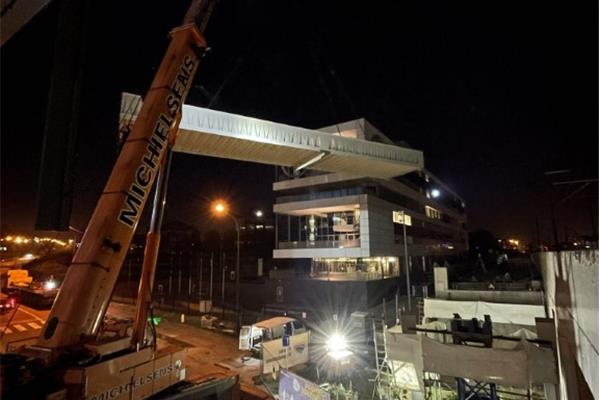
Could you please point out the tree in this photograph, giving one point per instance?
(482, 242)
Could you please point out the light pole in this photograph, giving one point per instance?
(220, 208)
(223, 290)
(406, 259)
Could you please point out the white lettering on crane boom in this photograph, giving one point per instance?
(145, 173)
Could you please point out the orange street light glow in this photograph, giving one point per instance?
(219, 208)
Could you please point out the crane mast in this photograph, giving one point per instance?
(80, 307)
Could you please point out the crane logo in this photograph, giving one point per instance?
(145, 173)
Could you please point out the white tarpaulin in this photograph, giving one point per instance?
(406, 349)
(520, 366)
(516, 314)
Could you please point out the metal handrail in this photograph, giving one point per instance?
(324, 241)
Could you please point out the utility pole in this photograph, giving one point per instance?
(179, 281)
(593, 219)
(237, 274)
(223, 290)
(200, 287)
(210, 288)
(200, 282)
(190, 276)
(171, 276)
(553, 207)
(537, 233)
(406, 260)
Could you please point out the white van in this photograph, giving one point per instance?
(252, 336)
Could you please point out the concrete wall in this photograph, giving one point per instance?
(381, 229)
(492, 296)
(497, 296)
(571, 293)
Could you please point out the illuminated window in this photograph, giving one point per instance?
(433, 213)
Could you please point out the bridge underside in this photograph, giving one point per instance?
(218, 134)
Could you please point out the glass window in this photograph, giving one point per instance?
(433, 213)
(298, 327)
(339, 229)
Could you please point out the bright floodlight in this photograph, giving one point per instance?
(258, 213)
(50, 284)
(336, 342)
(435, 193)
(337, 347)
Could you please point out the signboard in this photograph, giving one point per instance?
(399, 217)
(276, 357)
(294, 387)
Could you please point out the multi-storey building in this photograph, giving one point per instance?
(357, 228)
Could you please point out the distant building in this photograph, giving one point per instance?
(257, 239)
(511, 245)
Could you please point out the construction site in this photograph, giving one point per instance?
(370, 286)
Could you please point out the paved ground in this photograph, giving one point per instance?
(20, 326)
(207, 351)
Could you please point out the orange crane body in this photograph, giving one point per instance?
(78, 362)
(83, 299)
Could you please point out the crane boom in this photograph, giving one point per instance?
(83, 299)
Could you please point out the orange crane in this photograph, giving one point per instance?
(70, 358)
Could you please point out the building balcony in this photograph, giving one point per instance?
(328, 242)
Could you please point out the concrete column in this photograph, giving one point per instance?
(440, 279)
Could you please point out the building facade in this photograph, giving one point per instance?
(349, 227)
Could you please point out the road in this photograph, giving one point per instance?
(21, 326)
(207, 352)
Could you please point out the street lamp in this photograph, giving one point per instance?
(221, 209)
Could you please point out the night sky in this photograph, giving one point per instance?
(493, 93)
